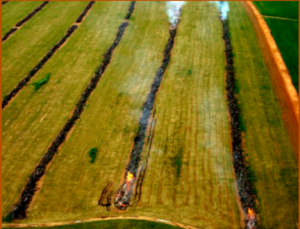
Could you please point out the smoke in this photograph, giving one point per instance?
(174, 11)
(224, 8)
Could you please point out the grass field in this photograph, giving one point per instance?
(285, 32)
(9, 16)
(190, 177)
(116, 224)
(109, 123)
(28, 125)
(267, 144)
(22, 51)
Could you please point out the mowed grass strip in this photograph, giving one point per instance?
(22, 51)
(285, 32)
(34, 118)
(109, 123)
(190, 174)
(15, 11)
(192, 130)
(267, 143)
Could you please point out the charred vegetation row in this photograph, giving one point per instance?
(242, 173)
(50, 53)
(20, 23)
(7, 35)
(82, 15)
(18, 211)
(123, 195)
(4, 2)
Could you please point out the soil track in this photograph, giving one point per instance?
(100, 219)
(281, 79)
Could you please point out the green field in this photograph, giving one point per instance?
(116, 224)
(190, 177)
(9, 16)
(29, 125)
(22, 51)
(284, 31)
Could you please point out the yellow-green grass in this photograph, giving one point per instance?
(115, 224)
(191, 117)
(109, 122)
(33, 119)
(267, 144)
(15, 11)
(22, 51)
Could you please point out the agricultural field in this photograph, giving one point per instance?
(282, 19)
(131, 117)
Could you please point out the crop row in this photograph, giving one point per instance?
(20, 23)
(245, 187)
(50, 53)
(19, 209)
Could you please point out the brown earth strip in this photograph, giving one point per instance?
(20, 23)
(281, 79)
(43, 61)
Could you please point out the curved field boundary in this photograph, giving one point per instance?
(177, 224)
(50, 53)
(20, 23)
(279, 73)
(18, 211)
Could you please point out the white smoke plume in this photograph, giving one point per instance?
(174, 11)
(224, 8)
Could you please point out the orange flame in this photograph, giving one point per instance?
(129, 177)
(251, 214)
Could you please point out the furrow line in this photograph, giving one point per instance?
(44, 60)
(20, 23)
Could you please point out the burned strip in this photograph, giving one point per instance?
(25, 80)
(245, 186)
(18, 211)
(4, 2)
(123, 195)
(20, 23)
(82, 15)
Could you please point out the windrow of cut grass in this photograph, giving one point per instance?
(15, 11)
(34, 118)
(267, 145)
(41, 63)
(20, 23)
(109, 123)
(22, 52)
(191, 116)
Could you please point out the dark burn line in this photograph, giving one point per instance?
(4, 2)
(245, 186)
(87, 8)
(123, 195)
(20, 23)
(18, 211)
(50, 53)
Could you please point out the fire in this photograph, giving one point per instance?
(251, 214)
(129, 177)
